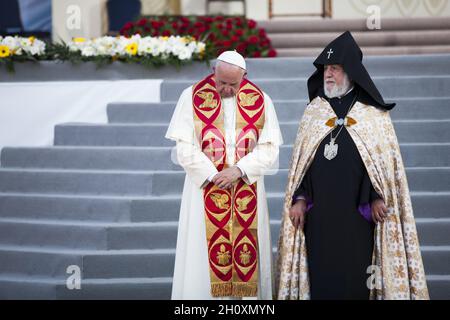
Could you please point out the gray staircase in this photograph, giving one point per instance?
(308, 37)
(106, 197)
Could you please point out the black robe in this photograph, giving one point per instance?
(339, 240)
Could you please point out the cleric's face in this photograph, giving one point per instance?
(333, 76)
(228, 79)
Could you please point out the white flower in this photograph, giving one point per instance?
(13, 44)
(185, 54)
(105, 46)
(33, 46)
(88, 51)
(200, 47)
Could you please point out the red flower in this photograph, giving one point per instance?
(225, 33)
(256, 54)
(142, 22)
(174, 25)
(238, 21)
(251, 23)
(166, 33)
(241, 48)
(262, 33)
(218, 18)
(185, 20)
(220, 26)
(234, 38)
(155, 24)
(128, 26)
(208, 19)
(226, 43)
(272, 53)
(211, 37)
(239, 32)
(264, 43)
(253, 39)
(198, 24)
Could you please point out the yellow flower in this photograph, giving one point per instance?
(132, 48)
(78, 40)
(31, 39)
(4, 51)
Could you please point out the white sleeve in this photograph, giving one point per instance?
(181, 126)
(265, 155)
(196, 164)
(189, 155)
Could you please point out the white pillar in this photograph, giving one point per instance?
(78, 18)
(256, 9)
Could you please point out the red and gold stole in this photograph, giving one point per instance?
(231, 215)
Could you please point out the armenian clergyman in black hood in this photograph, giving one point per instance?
(347, 229)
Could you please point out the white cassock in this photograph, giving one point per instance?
(191, 279)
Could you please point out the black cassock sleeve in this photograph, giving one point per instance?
(367, 193)
(305, 189)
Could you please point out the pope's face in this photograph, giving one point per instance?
(228, 79)
(333, 75)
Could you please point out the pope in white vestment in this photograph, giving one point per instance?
(191, 278)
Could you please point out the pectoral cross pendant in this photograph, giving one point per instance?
(331, 150)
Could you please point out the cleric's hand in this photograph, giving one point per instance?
(297, 213)
(225, 178)
(379, 210)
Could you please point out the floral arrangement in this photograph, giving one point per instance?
(20, 49)
(152, 51)
(222, 33)
(166, 40)
(148, 51)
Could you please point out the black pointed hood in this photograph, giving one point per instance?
(345, 51)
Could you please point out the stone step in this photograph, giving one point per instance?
(296, 88)
(102, 158)
(287, 110)
(53, 234)
(88, 235)
(379, 38)
(70, 207)
(145, 135)
(342, 25)
(258, 68)
(436, 259)
(13, 287)
(161, 183)
(43, 288)
(93, 264)
(164, 158)
(369, 51)
(112, 264)
(78, 182)
(155, 209)
(111, 135)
